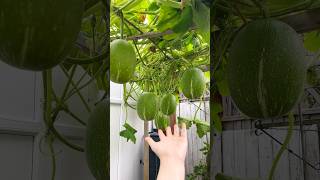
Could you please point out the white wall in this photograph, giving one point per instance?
(21, 129)
(124, 156)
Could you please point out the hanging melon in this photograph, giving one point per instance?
(147, 106)
(266, 69)
(98, 141)
(193, 83)
(122, 61)
(37, 34)
(168, 104)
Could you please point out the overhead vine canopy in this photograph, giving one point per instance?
(168, 36)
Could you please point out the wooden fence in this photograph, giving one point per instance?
(194, 155)
(242, 150)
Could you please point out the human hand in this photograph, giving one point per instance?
(172, 148)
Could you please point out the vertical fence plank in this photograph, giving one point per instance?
(252, 157)
(312, 151)
(265, 155)
(228, 152)
(295, 164)
(282, 170)
(239, 151)
(216, 156)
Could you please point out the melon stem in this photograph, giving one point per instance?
(283, 146)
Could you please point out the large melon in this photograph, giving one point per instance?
(98, 142)
(168, 104)
(193, 83)
(122, 61)
(147, 106)
(38, 34)
(266, 69)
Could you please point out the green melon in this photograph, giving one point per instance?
(122, 61)
(98, 142)
(193, 83)
(38, 34)
(147, 106)
(168, 104)
(266, 69)
(162, 121)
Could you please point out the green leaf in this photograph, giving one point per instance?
(215, 109)
(313, 76)
(216, 122)
(129, 133)
(201, 17)
(312, 41)
(167, 18)
(162, 121)
(205, 149)
(221, 82)
(185, 21)
(187, 121)
(207, 76)
(202, 127)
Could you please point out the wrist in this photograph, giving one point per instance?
(172, 161)
(171, 168)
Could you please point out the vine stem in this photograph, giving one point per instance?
(74, 86)
(77, 89)
(47, 109)
(53, 157)
(283, 147)
(195, 114)
(73, 70)
(141, 32)
(47, 83)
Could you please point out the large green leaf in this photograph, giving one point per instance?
(185, 21)
(221, 81)
(202, 127)
(129, 133)
(201, 17)
(312, 41)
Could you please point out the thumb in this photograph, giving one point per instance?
(150, 141)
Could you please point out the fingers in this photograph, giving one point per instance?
(183, 130)
(161, 134)
(150, 141)
(168, 131)
(176, 130)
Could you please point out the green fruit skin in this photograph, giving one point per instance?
(147, 106)
(122, 61)
(98, 142)
(168, 104)
(193, 83)
(162, 121)
(37, 35)
(266, 69)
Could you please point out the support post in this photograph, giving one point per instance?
(146, 153)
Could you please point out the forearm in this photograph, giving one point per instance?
(171, 169)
